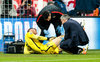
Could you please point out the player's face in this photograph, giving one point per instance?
(62, 20)
(49, 17)
(34, 31)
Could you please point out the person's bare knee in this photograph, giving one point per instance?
(57, 40)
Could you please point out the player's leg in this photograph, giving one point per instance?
(58, 50)
(55, 42)
(58, 40)
(53, 45)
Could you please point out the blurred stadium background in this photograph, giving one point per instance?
(12, 23)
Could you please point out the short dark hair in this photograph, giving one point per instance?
(45, 14)
(30, 29)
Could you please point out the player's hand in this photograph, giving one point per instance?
(45, 32)
(58, 29)
(51, 38)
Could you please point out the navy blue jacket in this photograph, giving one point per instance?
(75, 32)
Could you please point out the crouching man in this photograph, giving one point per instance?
(74, 36)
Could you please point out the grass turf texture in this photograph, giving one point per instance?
(91, 56)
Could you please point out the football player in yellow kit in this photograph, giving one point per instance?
(33, 45)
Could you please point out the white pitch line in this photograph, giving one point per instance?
(54, 60)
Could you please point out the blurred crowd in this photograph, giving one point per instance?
(31, 8)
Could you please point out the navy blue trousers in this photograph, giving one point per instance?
(70, 46)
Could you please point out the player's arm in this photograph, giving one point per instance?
(42, 38)
(31, 35)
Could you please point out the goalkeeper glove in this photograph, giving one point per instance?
(58, 29)
(45, 32)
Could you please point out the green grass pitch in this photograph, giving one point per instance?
(91, 56)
